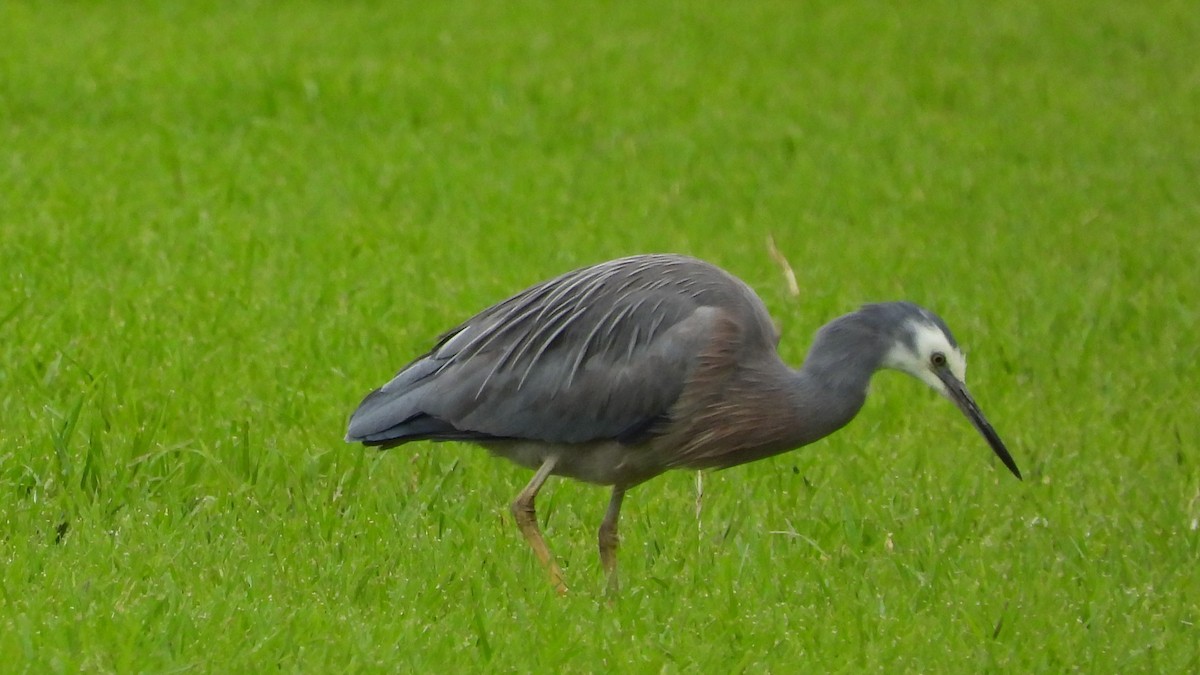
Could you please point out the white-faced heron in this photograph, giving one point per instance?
(615, 373)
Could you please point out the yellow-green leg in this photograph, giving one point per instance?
(526, 517)
(609, 539)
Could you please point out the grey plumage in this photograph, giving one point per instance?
(617, 372)
(599, 353)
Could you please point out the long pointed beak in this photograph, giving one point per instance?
(958, 393)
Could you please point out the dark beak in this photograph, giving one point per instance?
(962, 398)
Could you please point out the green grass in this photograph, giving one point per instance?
(221, 225)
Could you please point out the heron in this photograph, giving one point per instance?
(615, 373)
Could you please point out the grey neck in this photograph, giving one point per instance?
(830, 387)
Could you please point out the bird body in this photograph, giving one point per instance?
(615, 373)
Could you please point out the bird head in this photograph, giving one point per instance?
(927, 350)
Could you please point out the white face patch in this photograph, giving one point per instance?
(929, 340)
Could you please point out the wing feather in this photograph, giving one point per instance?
(597, 353)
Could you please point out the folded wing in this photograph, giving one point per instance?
(599, 353)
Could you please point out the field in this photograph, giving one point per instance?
(221, 224)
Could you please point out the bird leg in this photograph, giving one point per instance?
(526, 517)
(609, 539)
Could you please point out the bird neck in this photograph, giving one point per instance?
(768, 408)
(824, 404)
(829, 389)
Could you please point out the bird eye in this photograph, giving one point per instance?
(938, 359)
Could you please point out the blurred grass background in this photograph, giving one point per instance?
(221, 224)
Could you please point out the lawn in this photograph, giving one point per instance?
(221, 224)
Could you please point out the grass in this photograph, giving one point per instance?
(221, 224)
